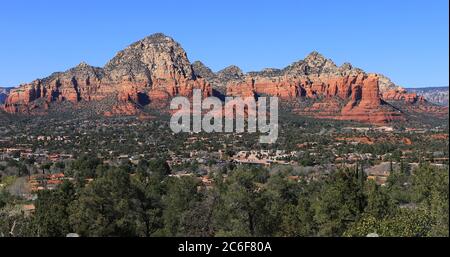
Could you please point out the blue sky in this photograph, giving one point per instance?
(405, 40)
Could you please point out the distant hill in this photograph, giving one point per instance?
(437, 95)
(4, 92)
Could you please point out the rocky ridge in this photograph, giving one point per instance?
(437, 95)
(151, 71)
(339, 92)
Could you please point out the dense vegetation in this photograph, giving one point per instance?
(143, 200)
(147, 199)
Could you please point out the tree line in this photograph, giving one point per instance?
(144, 200)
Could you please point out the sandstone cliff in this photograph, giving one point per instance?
(150, 71)
(339, 92)
(155, 69)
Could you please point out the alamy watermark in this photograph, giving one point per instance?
(212, 115)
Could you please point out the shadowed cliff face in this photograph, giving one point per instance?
(4, 92)
(152, 71)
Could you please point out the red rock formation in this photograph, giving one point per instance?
(19, 98)
(366, 104)
(154, 69)
(242, 89)
(283, 89)
(361, 93)
(402, 95)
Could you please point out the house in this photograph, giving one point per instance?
(28, 209)
(294, 178)
(207, 181)
(380, 173)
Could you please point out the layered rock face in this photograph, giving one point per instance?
(366, 104)
(81, 82)
(344, 92)
(402, 95)
(150, 71)
(359, 93)
(153, 70)
(337, 92)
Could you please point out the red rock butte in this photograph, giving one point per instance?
(153, 70)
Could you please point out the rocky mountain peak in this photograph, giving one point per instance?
(154, 57)
(316, 63)
(231, 72)
(82, 65)
(347, 69)
(315, 56)
(153, 70)
(203, 71)
(386, 84)
(82, 71)
(346, 66)
(157, 38)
